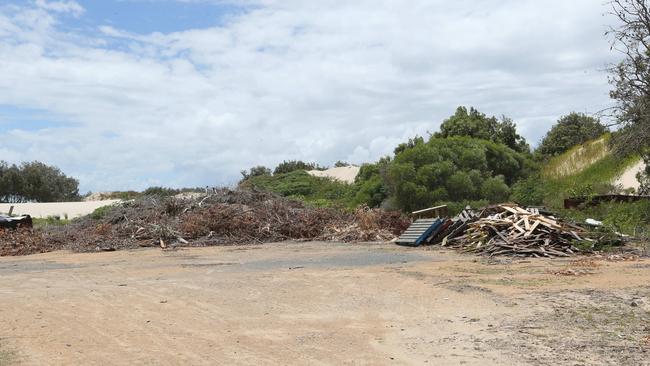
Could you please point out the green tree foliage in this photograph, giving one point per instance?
(569, 131)
(293, 165)
(475, 124)
(302, 186)
(530, 191)
(35, 181)
(255, 171)
(369, 186)
(454, 169)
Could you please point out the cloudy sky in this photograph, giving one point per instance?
(125, 94)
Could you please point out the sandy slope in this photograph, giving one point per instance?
(345, 174)
(61, 209)
(628, 179)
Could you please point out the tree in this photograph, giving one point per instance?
(36, 181)
(255, 171)
(454, 169)
(293, 165)
(475, 124)
(631, 77)
(341, 164)
(569, 131)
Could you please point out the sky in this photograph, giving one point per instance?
(127, 94)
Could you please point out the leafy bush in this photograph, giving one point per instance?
(302, 186)
(255, 171)
(293, 165)
(36, 181)
(569, 131)
(100, 212)
(530, 191)
(631, 218)
(455, 169)
(475, 124)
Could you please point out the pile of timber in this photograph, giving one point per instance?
(508, 229)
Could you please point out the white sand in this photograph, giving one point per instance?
(345, 174)
(61, 209)
(628, 179)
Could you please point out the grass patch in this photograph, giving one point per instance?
(577, 158)
(596, 179)
(630, 218)
(50, 221)
(100, 212)
(300, 185)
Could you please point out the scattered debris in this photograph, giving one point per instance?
(573, 272)
(15, 222)
(224, 217)
(512, 230)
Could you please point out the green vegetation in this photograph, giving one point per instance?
(35, 181)
(301, 186)
(584, 170)
(293, 165)
(151, 191)
(469, 162)
(477, 125)
(631, 218)
(454, 169)
(100, 212)
(50, 221)
(569, 131)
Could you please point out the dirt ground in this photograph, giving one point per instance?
(321, 304)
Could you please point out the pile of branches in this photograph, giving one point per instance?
(222, 218)
(512, 230)
(23, 241)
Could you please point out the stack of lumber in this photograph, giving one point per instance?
(508, 229)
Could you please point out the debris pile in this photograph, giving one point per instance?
(23, 241)
(224, 217)
(509, 229)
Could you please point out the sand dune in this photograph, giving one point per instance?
(61, 209)
(345, 174)
(628, 178)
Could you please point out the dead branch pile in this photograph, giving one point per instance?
(23, 241)
(367, 225)
(512, 230)
(226, 217)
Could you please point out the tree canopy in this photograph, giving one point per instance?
(472, 123)
(454, 169)
(569, 131)
(35, 181)
(289, 166)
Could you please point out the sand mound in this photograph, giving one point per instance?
(70, 210)
(345, 174)
(628, 178)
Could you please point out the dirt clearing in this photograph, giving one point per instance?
(321, 303)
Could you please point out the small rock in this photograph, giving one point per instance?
(634, 304)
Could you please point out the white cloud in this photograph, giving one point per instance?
(321, 81)
(71, 7)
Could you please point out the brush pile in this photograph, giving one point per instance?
(225, 217)
(512, 230)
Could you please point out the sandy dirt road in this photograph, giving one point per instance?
(320, 304)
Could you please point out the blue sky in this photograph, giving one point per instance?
(163, 16)
(128, 94)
